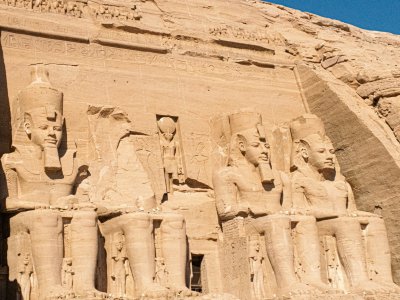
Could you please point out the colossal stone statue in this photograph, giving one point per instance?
(320, 190)
(41, 179)
(248, 188)
(127, 206)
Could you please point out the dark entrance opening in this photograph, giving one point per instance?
(195, 285)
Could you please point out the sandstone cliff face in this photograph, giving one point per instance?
(197, 59)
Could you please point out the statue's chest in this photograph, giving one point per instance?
(325, 190)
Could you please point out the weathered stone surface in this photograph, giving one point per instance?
(149, 91)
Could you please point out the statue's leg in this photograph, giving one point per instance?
(378, 252)
(47, 251)
(138, 230)
(308, 249)
(84, 248)
(351, 251)
(174, 251)
(280, 252)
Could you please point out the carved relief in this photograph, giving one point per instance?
(249, 188)
(256, 261)
(171, 151)
(120, 268)
(109, 12)
(319, 189)
(46, 171)
(125, 200)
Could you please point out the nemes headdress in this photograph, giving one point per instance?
(40, 93)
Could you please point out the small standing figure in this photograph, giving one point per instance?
(25, 272)
(256, 269)
(161, 272)
(120, 267)
(67, 274)
(171, 153)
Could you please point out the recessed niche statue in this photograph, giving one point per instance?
(43, 177)
(119, 266)
(256, 260)
(319, 189)
(161, 271)
(25, 279)
(67, 274)
(171, 153)
(123, 193)
(247, 187)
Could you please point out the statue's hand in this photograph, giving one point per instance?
(298, 211)
(13, 204)
(84, 206)
(64, 203)
(360, 213)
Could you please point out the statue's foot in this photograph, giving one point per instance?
(324, 288)
(184, 291)
(154, 291)
(369, 287)
(58, 292)
(298, 288)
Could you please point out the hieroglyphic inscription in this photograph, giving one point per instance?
(94, 51)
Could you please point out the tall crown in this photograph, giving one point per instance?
(306, 125)
(40, 93)
(244, 120)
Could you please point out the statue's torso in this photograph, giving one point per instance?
(260, 199)
(329, 196)
(35, 184)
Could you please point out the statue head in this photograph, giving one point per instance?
(248, 142)
(167, 127)
(310, 144)
(41, 109)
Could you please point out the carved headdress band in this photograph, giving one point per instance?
(245, 120)
(40, 93)
(306, 125)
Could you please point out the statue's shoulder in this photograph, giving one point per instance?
(226, 174)
(11, 160)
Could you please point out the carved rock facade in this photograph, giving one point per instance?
(155, 150)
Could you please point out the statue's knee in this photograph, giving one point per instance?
(46, 218)
(173, 221)
(137, 220)
(84, 219)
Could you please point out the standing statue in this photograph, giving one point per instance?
(161, 271)
(123, 193)
(41, 179)
(119, 268)
(171, 153)
(320, 190)
(256, 260)
(67, 274)
(247, 187)
(25, 273)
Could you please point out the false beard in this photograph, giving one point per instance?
(265, 172)
(51, 159)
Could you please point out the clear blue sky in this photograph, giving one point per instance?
(380, 15)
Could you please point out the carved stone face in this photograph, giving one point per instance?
(44, 131)
(168, 136)
(320, 153)
(254, 148)
(119, 245)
